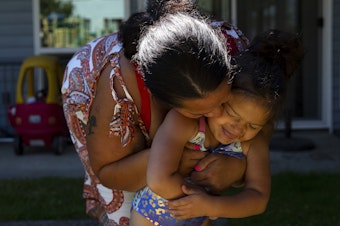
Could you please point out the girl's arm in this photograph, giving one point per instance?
(252, 200)
(163, 176)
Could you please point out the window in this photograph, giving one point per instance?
(62, 26)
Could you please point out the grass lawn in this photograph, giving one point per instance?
(297, 199)
(300, 200)
(41, 199)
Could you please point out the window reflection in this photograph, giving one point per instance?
(73, 23)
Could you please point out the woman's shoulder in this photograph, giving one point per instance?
(105, 46)
(95, 56)
(100, 48)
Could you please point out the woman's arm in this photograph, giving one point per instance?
(116, 166)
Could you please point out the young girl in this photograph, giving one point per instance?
(258, 90)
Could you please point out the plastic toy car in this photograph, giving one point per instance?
(37, 117)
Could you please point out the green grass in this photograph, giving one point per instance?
(41, 199)
(300, 200)
(296, 200)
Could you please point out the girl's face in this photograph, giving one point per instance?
(243, 117)
(209, 106)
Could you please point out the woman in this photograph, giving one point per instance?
(112, 118)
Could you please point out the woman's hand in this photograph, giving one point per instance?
(218, 172)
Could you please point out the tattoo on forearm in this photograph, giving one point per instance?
(91, 123)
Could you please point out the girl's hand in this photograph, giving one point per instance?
(189, 160)
(192, 205)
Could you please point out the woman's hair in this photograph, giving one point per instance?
(182, 57)
(131, 30)
(178, 53)
(264, 69)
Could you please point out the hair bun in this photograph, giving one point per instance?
(280, 47)
(130, 31)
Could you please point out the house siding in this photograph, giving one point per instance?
(336, 67)
(9, 72)
(16, 30)
(16, 43)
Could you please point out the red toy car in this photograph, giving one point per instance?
(37, 117)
